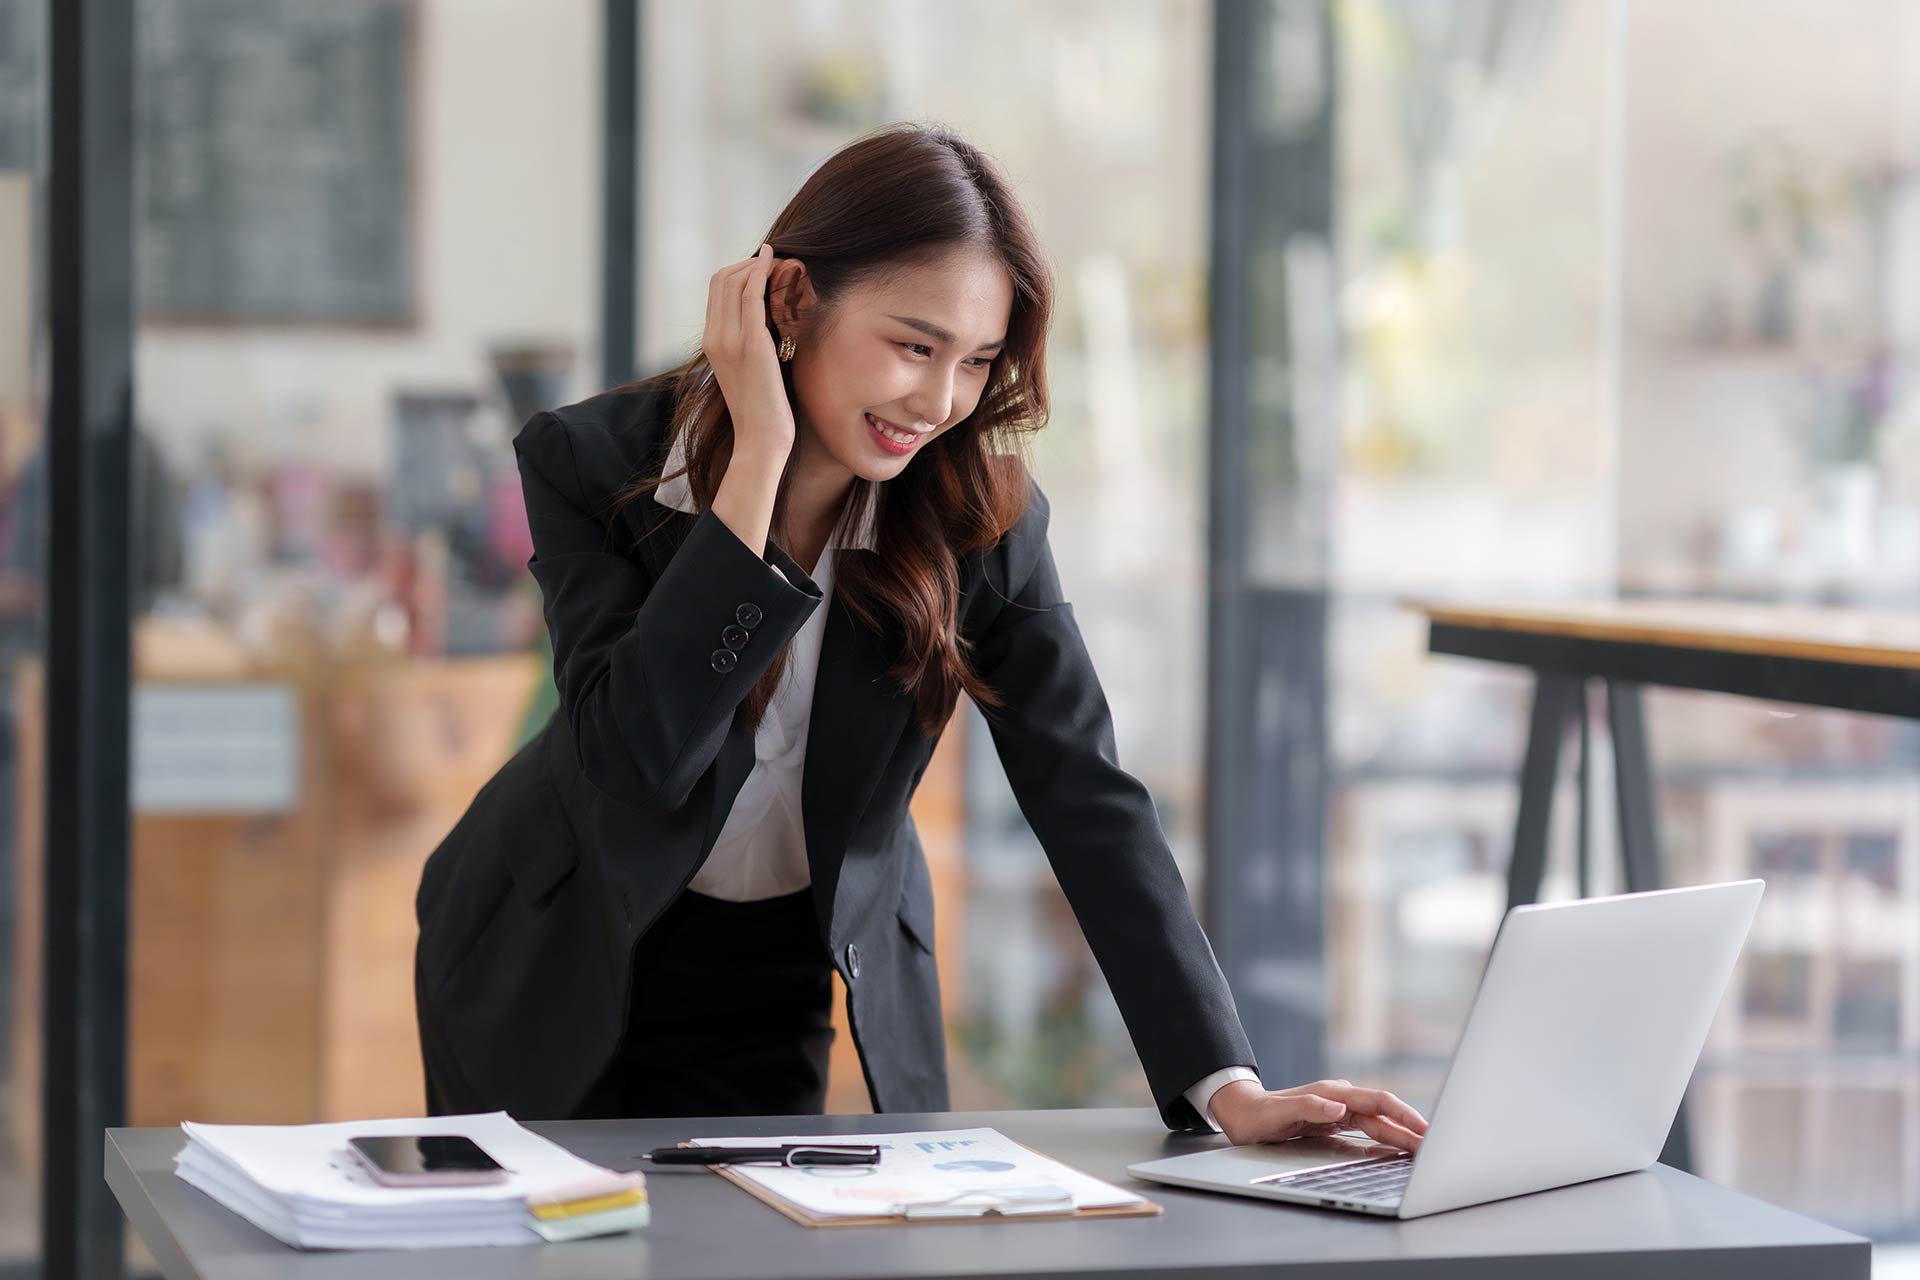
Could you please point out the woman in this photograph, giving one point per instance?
(768, 576)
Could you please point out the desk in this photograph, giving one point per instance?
(1845, 659)
(1652, 1225)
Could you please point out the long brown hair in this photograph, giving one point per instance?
(902, 194)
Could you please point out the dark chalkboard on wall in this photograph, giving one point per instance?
(275, 161)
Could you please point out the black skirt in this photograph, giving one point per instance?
(731, 1014)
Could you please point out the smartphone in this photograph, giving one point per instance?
(427, 1160)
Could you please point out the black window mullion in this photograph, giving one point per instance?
(1268, 611)
(88, 636)
(619, 190)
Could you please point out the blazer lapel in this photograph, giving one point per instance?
(857, 717)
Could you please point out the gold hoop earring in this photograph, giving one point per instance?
(786, 347)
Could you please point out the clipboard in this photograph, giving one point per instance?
(1144, 1208)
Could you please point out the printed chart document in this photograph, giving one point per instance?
(942, 1174)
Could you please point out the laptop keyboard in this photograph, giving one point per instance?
(1376, 1181)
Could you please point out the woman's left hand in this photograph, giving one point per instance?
(1249, 1113)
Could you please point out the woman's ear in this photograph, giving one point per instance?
(789, 295)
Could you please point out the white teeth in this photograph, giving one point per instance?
(902, 437)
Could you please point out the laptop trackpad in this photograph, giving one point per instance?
(1258, 1163)
(1244, 1169)
(1283, 1159)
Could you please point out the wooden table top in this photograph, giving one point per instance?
(1785, 631)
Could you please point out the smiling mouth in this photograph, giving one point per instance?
(891, 432)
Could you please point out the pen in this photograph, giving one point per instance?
(791, 1154)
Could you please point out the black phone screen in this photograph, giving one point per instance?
(425, 1153)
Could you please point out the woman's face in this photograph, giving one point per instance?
(900, 361)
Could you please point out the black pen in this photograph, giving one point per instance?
(790, 1154)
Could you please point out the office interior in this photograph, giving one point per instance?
(1361, 301)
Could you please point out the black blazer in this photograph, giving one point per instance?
(530, 908)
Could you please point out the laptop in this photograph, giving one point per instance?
(1582, 1036)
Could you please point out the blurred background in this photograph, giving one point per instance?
(1364, 299)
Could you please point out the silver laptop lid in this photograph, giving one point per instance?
(1584, 1032)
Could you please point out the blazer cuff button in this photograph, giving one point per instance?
(725, 660)
(747, 615)
(735, 638)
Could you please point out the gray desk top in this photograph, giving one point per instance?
(1655, 1224)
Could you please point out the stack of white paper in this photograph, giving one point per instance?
(302, 1185)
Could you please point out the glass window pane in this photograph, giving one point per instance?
(22, 620)
(1098, 113)
(1766, 335)
(368, 254)
(1475, 460)
(1626, 312)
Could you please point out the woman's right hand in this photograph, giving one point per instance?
(1246, 1113)
(739, 347)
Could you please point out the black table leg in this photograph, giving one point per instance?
(1640, 840)
(1633, 778)
(1554, 699)
(1583, 840)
